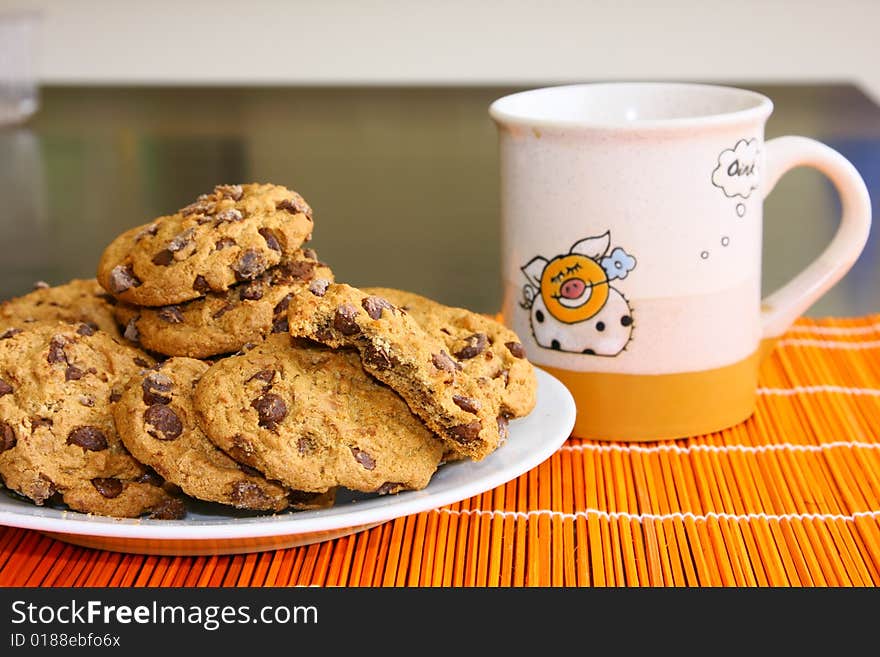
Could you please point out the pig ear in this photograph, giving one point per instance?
(593, 247)
(534, 269)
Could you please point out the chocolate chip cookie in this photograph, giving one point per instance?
(229, 236)
(78, 300)
(58, 440)
(311, 418)
(463, 408)
(157, 423)
(484, 347)
(223, 322)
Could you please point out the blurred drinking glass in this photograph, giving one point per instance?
(19, 97)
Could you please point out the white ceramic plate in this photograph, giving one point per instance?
(214, 529)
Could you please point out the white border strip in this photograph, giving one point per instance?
(659, 517)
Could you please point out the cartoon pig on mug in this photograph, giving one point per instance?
(573, 306)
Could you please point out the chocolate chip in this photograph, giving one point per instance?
(164, 422)
(242, 449)
(503, 427)
(271, 239)
(108, 487)
(466, 433)
(344, 319)
(201, 206)
(253, 472)
(265, 376)
(516, 349)
(87, 400)
(271, 409)
(280, 325)
(115, 396)
(163, 258)
(181, 240)
(8, 333)
(229, 191)
(5, 388)
(225, 308)
(363, 458)
(474, 345)
(73, 373)
(376, 357)
(87, 328)
(302, 497)
(311, 254)
(468, 404)
(251, 291)
(282, 305)
(37, 422)
(293, 206)
(224, 243)
(122, 278)
(170, 509)
(7, 437)
(90, 438)
(56, 350)
(375, 305)
(443, 361)
(150, 477)
(153, 385)
(249, 265)
(389, 487)
(249, 495)
(229, 215)
(171, 314)
(140, 362)
(319, 287)
(300, 270)
(200, 284)
(131, 330)
(504, 375)
(150, 230)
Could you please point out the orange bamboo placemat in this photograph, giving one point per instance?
(789, 498)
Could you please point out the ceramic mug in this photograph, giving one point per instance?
(631, 221)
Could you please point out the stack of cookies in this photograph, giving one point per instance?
(215, 358)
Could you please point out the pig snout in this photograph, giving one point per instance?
(572, 288)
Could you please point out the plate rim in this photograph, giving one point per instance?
(80, 524)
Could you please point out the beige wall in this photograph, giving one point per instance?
(454, 42)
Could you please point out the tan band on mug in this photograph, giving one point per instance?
(641, 407)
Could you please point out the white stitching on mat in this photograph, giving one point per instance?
(778, 447)
(797, 390)
(836, 330)
(614, 515)
(827, 344)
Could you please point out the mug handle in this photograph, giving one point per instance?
(782, 307)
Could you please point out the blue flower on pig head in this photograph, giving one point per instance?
(618, 264)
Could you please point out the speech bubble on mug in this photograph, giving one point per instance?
(737, 173)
